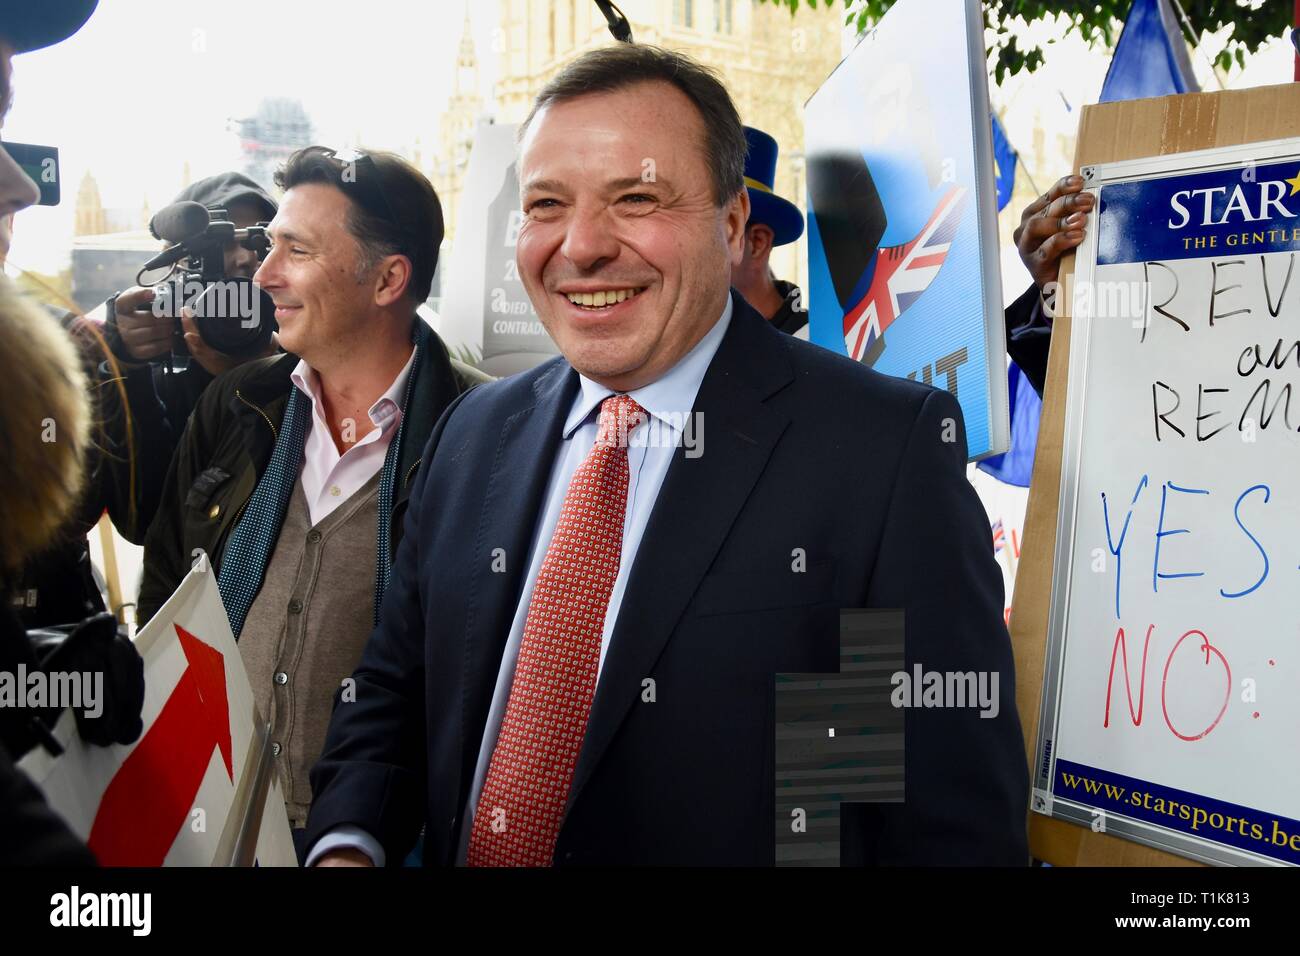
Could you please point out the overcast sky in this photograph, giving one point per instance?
(148, 84)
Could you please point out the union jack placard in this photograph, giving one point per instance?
(903, 265)
(900, 274)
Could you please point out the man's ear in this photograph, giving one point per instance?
(737, 215)
(759, 236)
(391, 280)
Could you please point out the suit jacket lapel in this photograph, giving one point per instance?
(433, 390)
(512, 502)
(697, 504)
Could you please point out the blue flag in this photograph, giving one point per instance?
(1017, 465)
(1151, 57)
(1005, 159)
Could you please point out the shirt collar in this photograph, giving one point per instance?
(671, 396)
(385, 411)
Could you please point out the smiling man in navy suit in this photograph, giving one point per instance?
(598, 578)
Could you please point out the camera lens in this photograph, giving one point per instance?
(234, 316)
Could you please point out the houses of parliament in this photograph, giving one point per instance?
(771, 60)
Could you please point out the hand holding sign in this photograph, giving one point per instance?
(1052, 225)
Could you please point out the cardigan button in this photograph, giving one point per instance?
(295, 606)
(313, 536)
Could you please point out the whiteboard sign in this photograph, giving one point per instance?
(1171, 705)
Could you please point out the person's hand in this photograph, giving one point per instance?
(1051, 226)
(95, 646)
(346, 856)
(144, 335)
(213, 361)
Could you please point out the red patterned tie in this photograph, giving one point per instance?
(517, 818)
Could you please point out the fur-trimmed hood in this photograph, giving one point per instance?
(44, 423)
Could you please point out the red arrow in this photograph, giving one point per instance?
(150, 797)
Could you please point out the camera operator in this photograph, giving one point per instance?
(141, 332)
(45, 427)
(142, 399)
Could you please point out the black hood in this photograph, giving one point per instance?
(218, 192)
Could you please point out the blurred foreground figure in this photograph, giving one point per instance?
(44, 429)
(39, 481)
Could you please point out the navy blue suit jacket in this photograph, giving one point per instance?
(801, 449)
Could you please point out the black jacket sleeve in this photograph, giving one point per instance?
(1029, 336)
(31, 833)
(131, 424)
(165, 560)
(142, 414)
(966, 776)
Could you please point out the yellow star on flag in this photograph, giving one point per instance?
(1295, 184)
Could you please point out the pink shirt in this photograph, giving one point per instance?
(328, 478)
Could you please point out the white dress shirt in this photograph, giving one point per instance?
(328, 478)
(669, 402)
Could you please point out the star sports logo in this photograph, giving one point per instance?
(1247, 202)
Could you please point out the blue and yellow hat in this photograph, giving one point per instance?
(35, 24)
(780, 215)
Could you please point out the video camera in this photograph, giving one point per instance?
(232, 315)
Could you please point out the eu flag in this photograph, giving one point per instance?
(1151, 57)
(1005, 159)
(1016, 466)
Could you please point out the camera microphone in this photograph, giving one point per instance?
(179, 221)
(177, 224)
(232, 315)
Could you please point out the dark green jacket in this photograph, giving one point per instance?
(228, 443)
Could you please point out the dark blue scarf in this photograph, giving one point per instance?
(248, 552)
